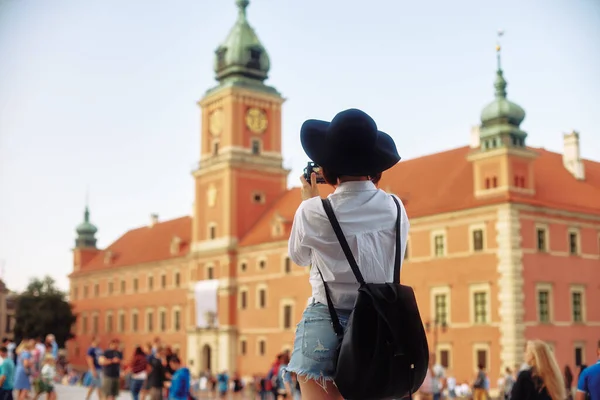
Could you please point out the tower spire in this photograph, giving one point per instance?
(242, 5)
(500, 83)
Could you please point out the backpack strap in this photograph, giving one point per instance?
(398, 259)
(342, 239)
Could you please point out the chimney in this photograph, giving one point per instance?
(153, 220)
(475, 143)
(571, 155)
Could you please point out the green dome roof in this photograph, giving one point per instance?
(241, 54)
(501, 109)
(86, 232)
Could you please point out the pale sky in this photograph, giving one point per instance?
(101, 94)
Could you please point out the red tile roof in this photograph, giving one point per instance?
(145, 244)
(443, 182)
(436, 183)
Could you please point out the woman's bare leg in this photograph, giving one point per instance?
(312, 390)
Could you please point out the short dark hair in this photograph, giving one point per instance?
(3, 349)
(175, 360)
(332, 177)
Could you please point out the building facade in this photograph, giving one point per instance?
(504, 243)
(7, 312)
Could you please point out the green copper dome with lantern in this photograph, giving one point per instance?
(501, 119)
(241, 55)
(86, 232)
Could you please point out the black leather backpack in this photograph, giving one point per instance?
(383, 353)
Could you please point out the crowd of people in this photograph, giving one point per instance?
(538, 378)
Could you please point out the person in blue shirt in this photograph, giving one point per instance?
(180, 383)
(223, 383)
(7, 375)
(588, 386)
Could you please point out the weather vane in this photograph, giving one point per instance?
(498, 47)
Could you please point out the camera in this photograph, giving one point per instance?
(312, 167)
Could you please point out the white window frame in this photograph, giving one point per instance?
(242, 339)
(481, 346)
(131, 325)
(577, 233)
(476, 227)
(438, 356)
(109, 314)
(282, 304)
(259, 260)
(432, 236)
(243, 289)
(259, 287)
(444, 290)
(578, 289)
(121, 327)
(546, 237)
(550, 289)
(258, 340)
(147, 321)
(160, 312)
(475, 288)
(208, 228)
(174, 311)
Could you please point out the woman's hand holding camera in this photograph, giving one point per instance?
(309, 189)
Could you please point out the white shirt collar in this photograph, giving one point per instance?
(355, 186)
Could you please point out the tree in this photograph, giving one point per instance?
(42, 309)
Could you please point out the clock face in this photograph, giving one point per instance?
(215, 122)
(256, 120)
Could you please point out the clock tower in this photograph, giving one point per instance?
(241, 172)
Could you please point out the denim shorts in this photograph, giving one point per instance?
(315, 344)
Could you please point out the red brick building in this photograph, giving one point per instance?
(504, 243)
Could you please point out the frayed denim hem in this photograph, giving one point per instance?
(304, 376)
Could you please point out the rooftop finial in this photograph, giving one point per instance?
(86, 214)
(499, 48)
(242, 5)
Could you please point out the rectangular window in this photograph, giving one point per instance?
(243, 347)
(150, 282)
(177, 322)
(84, 324)
(478, 239)
(262, 298)
(150, 321)
(163, 321)
(541, 239)
(96, 290)
(85, 292)
(480, 302)
(212, 232)
(438, 241)
(109, 323)
(482, 358)
(544, 306)
(243, 300)
(577, 306)
(122, 322)
(134, 322)
(288, 265)
(573, 248)
(262, 347)
(135, 284)
(123, 287)
(111, 287)
(210, 273)
(445, 358)
(95, 324)
(578, 356)
(255, 146)
(163, 281)
(441, 314)
(177, 279)
(287, 317)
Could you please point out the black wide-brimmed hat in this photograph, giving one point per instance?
(349, 145)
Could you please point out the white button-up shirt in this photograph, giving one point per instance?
(367, 216)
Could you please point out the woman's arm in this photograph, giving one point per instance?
(299, 253)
